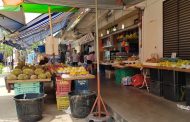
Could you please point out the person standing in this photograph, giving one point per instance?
(75, 58)
(90, 60)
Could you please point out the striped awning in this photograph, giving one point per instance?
(38, 29)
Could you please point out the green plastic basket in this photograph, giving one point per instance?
(29, 84)
(121, 73)
(23, 88)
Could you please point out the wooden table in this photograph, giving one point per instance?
(126, 66)
(10, 82)
(153, 67)
(144, 67)
(79, 77)
(107, 64)
(168, 68)
(34, 80)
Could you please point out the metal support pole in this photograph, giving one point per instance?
(50, 20)
(98, 60)
(51, 31)
(99, 101)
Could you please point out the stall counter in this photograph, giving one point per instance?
(10, 82)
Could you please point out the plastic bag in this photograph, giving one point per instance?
(137, 80)
(126, 81)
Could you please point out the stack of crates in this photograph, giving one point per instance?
(62, 90)
(81, 85)
(30, 87)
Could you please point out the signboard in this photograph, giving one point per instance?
(87, 38)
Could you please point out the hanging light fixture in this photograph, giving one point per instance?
(108, 32)
(101, 34)
(114, 29)
(87, 9)
(123, 25)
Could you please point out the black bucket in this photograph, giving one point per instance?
(29, 107)
(81, 103)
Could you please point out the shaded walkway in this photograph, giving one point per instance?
(135, 105)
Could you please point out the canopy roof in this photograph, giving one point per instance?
(38, 29)
(103, 4)
(10, 43)
(36, 8)
(43, 8)
(11, 20)
(9, 24)
(16, 16)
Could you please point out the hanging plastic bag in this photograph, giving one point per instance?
(137, 80)
(126, 81)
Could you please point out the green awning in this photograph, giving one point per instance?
(10, 8)
(37, 8)
(43, 8)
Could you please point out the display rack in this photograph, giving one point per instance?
(113, 42)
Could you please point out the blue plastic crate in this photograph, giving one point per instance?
(41, 48)
(81, 85)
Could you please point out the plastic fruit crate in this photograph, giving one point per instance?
(24, 90)
(62, 86)
(121, 73)
(29, 84)
(81, 85)
(62, 102)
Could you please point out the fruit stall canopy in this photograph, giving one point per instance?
(43, 8)
(38, 29)
(102, 4)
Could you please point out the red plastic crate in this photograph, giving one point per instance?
(61, 93)
(62, 87)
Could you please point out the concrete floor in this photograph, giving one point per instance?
(50, 114)
(137, 105)
(130, 104)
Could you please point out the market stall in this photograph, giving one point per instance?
(67, 79)
(10, 83)
(119, 50)
(120, 43)
(169, 76)
(27, 74)
(84, 77)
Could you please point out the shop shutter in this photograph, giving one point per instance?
(184, 29)
(170, 28)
